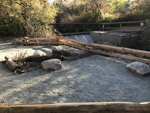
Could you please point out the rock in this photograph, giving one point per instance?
(52, 64)
(17, 41)
(59, 51)
(10, 64)
(59, 48)
(138, 68)
(38, 54)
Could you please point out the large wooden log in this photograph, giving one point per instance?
(121, 49)
(43, 43)
(120, 56)
(109, 53)
(90, 47)
(99, 107)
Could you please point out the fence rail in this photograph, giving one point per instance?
(86, 27)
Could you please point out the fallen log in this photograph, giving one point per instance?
(43, 41)
(94, 48)
(97, 107)
(120, 56)
(121, 49)
(109, 53)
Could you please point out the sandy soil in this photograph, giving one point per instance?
(92, 79)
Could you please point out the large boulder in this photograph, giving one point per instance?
(38, 54)
(52, 64)
(138, 68)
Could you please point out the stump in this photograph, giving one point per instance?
(10, 64)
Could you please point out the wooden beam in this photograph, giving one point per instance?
(109, 53)
(98, 107)
(121, 49)
(120, 56)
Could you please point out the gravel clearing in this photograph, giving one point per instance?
(92, 79)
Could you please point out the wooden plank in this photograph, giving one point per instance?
(98, 107)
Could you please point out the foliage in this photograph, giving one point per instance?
(25, 17)
(141, 9)
(78, 11)
(120, 6)
(145, 38)
(31, 17)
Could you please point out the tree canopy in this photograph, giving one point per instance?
(31, 17)
(25, 17)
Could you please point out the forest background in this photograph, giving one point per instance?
(33, 17)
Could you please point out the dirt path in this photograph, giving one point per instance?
(92, 79)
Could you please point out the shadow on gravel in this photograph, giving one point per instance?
(92, 79)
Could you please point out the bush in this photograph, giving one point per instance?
(145, 37)
(26, 17)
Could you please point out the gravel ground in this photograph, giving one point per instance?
(92, 79)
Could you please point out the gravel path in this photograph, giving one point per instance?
(91, 79)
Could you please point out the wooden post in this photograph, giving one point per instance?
(26, 40)
(103, 27)
(84, 28)
(120, 27)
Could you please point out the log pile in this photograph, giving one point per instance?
(37, 41)
(96, 48)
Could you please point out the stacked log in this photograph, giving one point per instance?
(96, 48)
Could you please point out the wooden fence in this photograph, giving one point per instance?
(87, 27)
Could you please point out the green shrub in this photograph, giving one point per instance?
(26, 17)
(145, 37)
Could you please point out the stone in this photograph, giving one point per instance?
(138, 68)
(59, 51)
(52, 64)
(38, 54)
(59, 48)
(17, 41)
